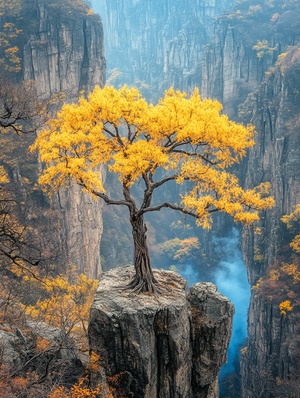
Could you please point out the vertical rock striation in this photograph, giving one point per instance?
(170, 346)
(230, 69)
(263, 90)
(63, 53)
(158, 43)
(275, 158)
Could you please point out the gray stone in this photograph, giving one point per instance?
(65, 54)
(232, 72)
(158, 43)
(9, 354)
(211, 321)
(161, 343)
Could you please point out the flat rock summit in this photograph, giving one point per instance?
(172, 345)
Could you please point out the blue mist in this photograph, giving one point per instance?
(231, 279)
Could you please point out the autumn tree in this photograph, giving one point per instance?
(10, 14)
(182, 140)
(281, 284)
(21, 113)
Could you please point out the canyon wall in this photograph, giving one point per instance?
(275, 158)
(263, 87)
(63, 53)
(158, 44)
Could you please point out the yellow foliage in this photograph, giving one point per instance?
(60, 392)
(295, 244)
(3, 176)
(292, 218)
(9, 11)
(179, 249)
(292, 223)
(66, 305)
(263, 48)
(12, 7)
(94, 362)
(274, 275)
(180, 138)
(285, 306)
(186, 246)
(258, 283)
(289, 269)
(78, 390)
(282, 286)
(258, 256)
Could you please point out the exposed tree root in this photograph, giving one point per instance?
(141, 285)
(146, 285)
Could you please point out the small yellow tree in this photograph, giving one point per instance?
(10, 12)
(64, 303)
(180, 140)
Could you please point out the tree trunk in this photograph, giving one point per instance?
(143, 280)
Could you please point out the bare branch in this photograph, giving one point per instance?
(167, 205)
(164, 180)
(20, 109)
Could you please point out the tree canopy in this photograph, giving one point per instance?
(185, 140)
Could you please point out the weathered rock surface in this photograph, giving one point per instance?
(158, 43)
(271, 352)
(275, 158)
(232, 72)
(63, 52)
(21, 353)
(211, 318)
(170, 346)
(8, 341)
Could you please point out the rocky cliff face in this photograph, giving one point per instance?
(158, 44)
(276, 158)
(170, 346)
(271, 355)
(63, 53)
(263, 89)
(230, 68)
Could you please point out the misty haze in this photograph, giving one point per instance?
(149, 198)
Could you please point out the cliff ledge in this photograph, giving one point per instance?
(171, 346)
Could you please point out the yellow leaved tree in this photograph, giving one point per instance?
(183, 140)
(10, 13)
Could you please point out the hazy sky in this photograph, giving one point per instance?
(97, 5)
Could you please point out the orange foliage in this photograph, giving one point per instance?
(285, 306)
(64, 303)
(115, 388)
(282, 281)
(60, 392)
(281, 285)
(13, 386)
(78, 390)
(42, 344)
